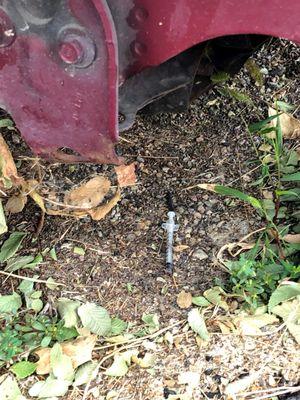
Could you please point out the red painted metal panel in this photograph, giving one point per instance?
(59, 71)
(164, 29)
(56, 101)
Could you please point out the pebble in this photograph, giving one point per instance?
(200, 255)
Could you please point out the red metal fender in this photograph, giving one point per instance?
(166, 28)
(59, 59)
(58, 77)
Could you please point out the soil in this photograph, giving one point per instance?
(123, 268)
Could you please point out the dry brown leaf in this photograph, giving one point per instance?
(100, 212)
(79, 350)
(290, 126)
(89, 194)
(29, 188)
(224, 328)
(250, 325)
(126, 175)
(294, 239)
(184, 299)
(180, 248)
(8, 167)
(97, 213)
(16, 204)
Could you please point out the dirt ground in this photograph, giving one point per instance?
(123, 268)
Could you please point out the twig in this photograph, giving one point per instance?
(154, 157)
(290, 388)
(150, 336)
(88, 246)
(230, 246)
(274, 394)
(26, 278)
(40, 224)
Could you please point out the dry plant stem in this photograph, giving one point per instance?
(225, 247)
(40, 224)
(26, 278)
(130, 344)
(151, 336)
(152, 157)
(273, 395)
(88, 246)
(55, 203)
(286, 388)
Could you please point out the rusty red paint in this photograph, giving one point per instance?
(60, 83)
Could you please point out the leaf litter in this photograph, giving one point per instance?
(85, 200)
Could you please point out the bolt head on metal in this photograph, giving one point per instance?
(71, 51)
(76, 47)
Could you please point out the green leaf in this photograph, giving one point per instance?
(200, 301)
(293, 158)
(16, 263)
(118, 326)
(256, 127)
(36, 305)
(23, 369)
(95, 318)
(121, 363)
(86, 373)
(255, 72)
(197, 323)
(79, 251)
(68, 311)
(11, 245)
(291, 178)
(49, 388)
(46, 341)
(36, 261)
(10, 303)
(36, 388)
(227, 191)
(152, 322)
(220, 77)
(284, 292)
(9, 389)
(61, 365)
(6, 123)
(51, 284)
(215, 296)
(236, 95)
(64, 333)
(289, 311)
(26, 287)
(3, 226)
(289, 195)
(53, 254)
(285, 107)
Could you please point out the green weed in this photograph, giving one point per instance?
(276, 254)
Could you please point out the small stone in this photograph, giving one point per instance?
(264, 71)
(200, 255)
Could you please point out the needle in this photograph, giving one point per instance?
(170, 227)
